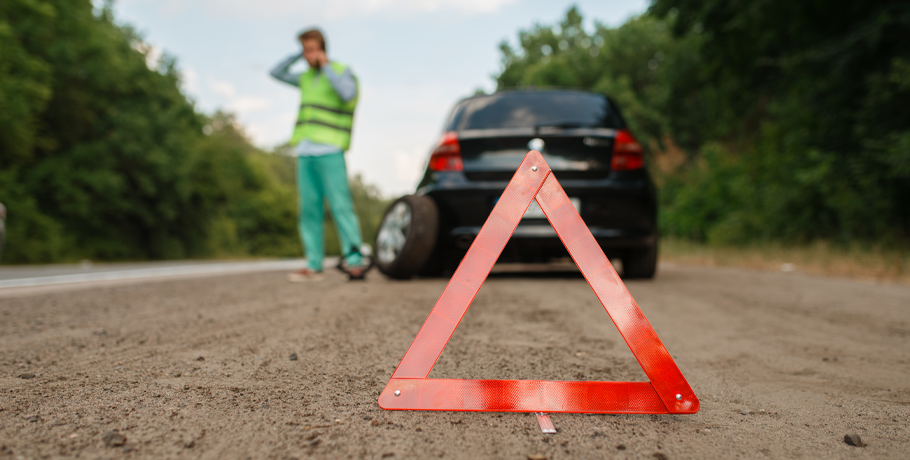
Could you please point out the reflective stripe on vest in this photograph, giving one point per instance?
(324, 117)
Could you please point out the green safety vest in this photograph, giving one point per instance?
(324, 117)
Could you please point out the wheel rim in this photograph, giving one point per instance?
(393, 233)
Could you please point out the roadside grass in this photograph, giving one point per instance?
(820, 258)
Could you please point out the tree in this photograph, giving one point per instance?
(102, 156)
(794, 129)
(819, 91)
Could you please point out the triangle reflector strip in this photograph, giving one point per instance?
(668, 392)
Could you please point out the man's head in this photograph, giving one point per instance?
(313, 48)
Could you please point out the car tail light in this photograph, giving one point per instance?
(627, 152)
(447, 154)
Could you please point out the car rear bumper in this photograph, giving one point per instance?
(620, 211)
(540, 243)
(536, 231)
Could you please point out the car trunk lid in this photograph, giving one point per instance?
(576, 153)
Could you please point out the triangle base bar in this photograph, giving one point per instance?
(522, 396)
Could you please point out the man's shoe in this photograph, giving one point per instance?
(305, 275)
(357, 273)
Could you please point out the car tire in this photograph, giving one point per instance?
(640, 263)
(407, 236)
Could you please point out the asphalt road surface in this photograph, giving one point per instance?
(785, 365)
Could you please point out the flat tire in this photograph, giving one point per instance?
(407, 236)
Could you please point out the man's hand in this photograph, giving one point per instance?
(322, 59)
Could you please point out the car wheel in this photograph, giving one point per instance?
(640, 263)
(407, 236)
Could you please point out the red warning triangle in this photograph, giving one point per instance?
(410, 389)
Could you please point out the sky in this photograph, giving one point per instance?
(414, 60)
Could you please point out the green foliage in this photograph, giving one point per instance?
(791, 115)
(24, 77)
(99, 158)
(250, 194)
(820, 135)
(102, 157)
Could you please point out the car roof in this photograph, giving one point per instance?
(516, 91)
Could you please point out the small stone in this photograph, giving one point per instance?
(854, 440)
(621, 447)
(200, 358)
(33, 419)
(537, 457)
(113, 439)
(27, 376)
(189, 442)
(293, 357)
(746, 412)
(177, 374)
(375, 422)
(127, 449)
(659, 456)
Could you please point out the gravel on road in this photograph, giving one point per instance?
(786, 365)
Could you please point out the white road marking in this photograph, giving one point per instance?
(139, 273)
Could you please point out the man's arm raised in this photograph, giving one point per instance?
(282, 71)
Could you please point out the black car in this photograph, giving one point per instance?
(590, 150)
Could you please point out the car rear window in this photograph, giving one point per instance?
(531, 109)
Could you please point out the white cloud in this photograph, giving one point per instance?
(240, 105)
(317, 10)
(464, 6)
(190, 80)
(248, 104)
(271, 128)
(409, 165)
(223, 89)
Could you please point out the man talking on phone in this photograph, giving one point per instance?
(328, 96)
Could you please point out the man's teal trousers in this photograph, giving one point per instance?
(326, 177)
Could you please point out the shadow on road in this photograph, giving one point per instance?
(526, 275)
(535, 271)
(548, 271)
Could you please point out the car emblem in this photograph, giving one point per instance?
(536, 144)
(596, 141)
